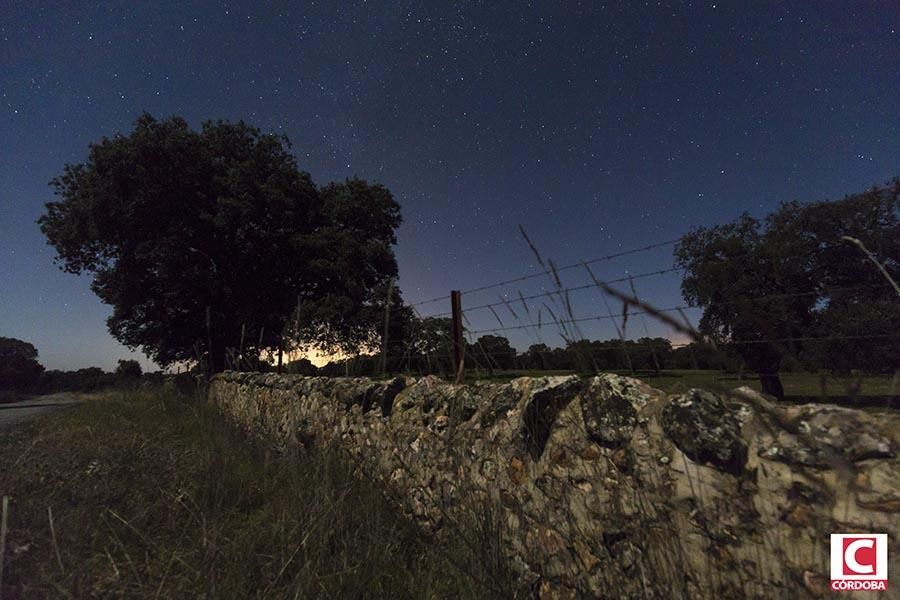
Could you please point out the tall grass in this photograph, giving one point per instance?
(153, 495)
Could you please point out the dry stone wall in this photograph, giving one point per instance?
(606, 487)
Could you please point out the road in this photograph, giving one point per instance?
(19, 412)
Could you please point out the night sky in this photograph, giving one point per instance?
(599, 128)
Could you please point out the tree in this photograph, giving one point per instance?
(129, 369)
(19, 366)
(583, 356)
(857, 312)
(763, 284)
(212, 243)
(82, 380)
(352, 266)
(537, 357)
(302, 366)
(650, 353)
(702, 356)
(492, 351)
(427, 344)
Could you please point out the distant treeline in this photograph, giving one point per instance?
(492, 352)
(90, 379)
(21, 374)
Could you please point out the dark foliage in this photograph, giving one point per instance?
(19, 366)
(301, 366)
(90, 379)
(214, 244)
(128, 370)
(792, 275)
(492, 352)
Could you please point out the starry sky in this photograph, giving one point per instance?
(599, 127)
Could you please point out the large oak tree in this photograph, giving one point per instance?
(211, 242)
(790, 284)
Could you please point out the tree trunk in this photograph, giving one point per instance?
(766, 362)
(771, 385)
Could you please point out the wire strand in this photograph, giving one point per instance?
(563, 290)
(549, 271)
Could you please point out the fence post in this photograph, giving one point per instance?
(457, 333)
(387, 322)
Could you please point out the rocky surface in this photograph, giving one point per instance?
(606, 487)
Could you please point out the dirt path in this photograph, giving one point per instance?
(19, 412)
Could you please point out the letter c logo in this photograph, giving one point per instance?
(850, 556)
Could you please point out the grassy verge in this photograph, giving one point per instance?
(142, 494)
(7, 396)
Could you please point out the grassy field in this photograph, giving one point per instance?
(7, 396)
(149, 495)
(798, 387)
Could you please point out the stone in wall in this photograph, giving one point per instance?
(606, 487)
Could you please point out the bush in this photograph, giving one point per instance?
(19, 367)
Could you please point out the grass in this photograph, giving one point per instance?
(7, 396)
(798, 387)
(148, 494)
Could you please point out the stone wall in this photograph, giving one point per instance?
(606, 487)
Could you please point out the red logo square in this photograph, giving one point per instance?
(860, 555)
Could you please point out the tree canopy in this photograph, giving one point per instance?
(790, 284)
(213, 243)
(19, 366)
(128, 369)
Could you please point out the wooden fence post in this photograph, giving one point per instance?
(387, 322)
(459, 347)
(280, 354)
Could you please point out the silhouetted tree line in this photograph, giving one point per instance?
(213, 247)
(430, 354)
(22, 373)
(427, 351)
(93, 379)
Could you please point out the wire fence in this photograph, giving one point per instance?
(576, 318)
(547, 270)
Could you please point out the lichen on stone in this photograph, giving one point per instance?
(707, 429)
(600, 483)
(609, 417)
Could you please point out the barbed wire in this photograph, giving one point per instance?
(550, 293)
(549, 271)
(874, 336)
(616, 344)
(681, 307)
(558, 322)
(554, 269)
